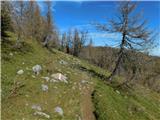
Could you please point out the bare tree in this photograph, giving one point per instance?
(30, 17)
(79, 39)
(18, 9)
(90, 48)
(49, 17)
(69, 41)
(76, 41)
(39, 26)
(51, 29)
(63, 42)
(84, 37)
(135, 35)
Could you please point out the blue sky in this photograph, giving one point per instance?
(80, 14)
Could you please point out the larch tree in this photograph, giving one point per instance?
(79, 39)
(30, 16)
(90, 49)
(18, 16)
(49, 20)
(63, 42)
(83, 39)
(69, 42)
(76, 43)
(51, 29)
(38, 24)
(135, 36)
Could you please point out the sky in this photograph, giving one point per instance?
(82, 15)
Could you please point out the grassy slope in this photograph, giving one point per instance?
(138, 105)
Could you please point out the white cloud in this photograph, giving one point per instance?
(106, 35)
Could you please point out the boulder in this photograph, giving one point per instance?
(44, 87)
(20, 72)
(59, 77)
(58, 110)
(36, 69)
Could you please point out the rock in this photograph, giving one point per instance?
(27, 95)
(36, 69)
(36, 107)
(100, 95)
(115, 111)
(26, 104)
(46, 78)
(11, 54)
(59, 110)
(80, 88)
(91, 83)
(59, 77)
(63, 62)
(84, 81)
(79, 118)
(42, 114)
(33, 76)
(47, 39)
(140, 109)
(117, 92)
(27, 68)
(44, 87)
(20, 72)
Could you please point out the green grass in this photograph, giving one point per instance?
(15, 107)
(139, 104)
(109, 105)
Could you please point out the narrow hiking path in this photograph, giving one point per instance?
(87, 107)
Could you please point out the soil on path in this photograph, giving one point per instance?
(87, 105)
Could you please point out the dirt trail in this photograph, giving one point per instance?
(87, 105)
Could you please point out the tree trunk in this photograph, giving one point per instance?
(119, 58)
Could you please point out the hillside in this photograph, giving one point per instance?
(85, 96)
(138, 67)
